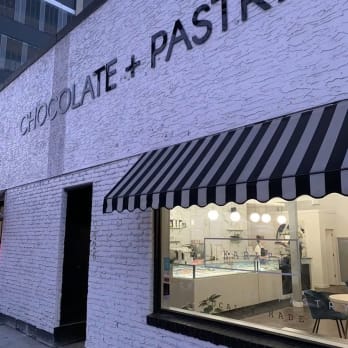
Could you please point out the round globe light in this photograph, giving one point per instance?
(281, 219)
(254, 217)
(266, 218)
(213, 215)
(235, 216)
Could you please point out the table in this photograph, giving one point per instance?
(340, 304)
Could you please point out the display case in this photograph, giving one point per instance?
(265, 264)
(201, 271)
(213, 268)
(225, 253)
(237, 284)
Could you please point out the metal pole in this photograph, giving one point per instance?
(295, 255)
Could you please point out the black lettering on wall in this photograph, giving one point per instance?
(24, 130)
(64, 100)
(88, 88)
(53, 102)
(42, 113)
(261, 3)
(201, 23)
(157, 50)
(31, 117)
(224, 16)
(176, 39)
(109, 87)
(74, 105)
(97, 73)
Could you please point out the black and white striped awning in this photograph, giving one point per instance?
(298, 154)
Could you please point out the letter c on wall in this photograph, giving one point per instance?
(25, 131)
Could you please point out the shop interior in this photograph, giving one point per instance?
(259, 262)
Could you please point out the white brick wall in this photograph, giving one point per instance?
(120, 275)
(289, 58)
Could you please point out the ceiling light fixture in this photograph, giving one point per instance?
(266, 218)
(235, 215)
(213, 215)
(254, 217)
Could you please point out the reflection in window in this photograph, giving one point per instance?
(253, 262)
(7, 8)
(41, 20)
(13, 54)
(51, 19)
(32, 13)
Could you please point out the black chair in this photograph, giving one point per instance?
(320, 308)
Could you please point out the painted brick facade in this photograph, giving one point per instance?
(120, 281)
(289, 58)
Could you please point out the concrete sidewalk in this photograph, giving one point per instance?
(11, 338)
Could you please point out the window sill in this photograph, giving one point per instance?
(224, 333)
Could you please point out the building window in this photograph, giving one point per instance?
(7, 8)
(276, 267)
(43, 22)
(13, 54)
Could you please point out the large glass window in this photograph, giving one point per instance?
(276, 266)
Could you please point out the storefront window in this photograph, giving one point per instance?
(277, 265)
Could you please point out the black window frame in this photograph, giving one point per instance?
(92, 7)
(217, 332)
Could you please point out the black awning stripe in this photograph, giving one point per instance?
(227, 156)
(276, 158)
(333, 136)
(156, 176)
(290, 145)
(339, 152)
(195, 168)
(305, 138)
(275, 141)
(133, 176)
(143, 160)
(146, 172)
(222, 147)
(311, 150)
(303, 153)
(191, 162)
(256, 153)
(242, 165)
(238, 156)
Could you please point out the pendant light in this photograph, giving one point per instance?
(213, 215)
(266, 218)
(281, 219)
(254, 217)
(235, 215)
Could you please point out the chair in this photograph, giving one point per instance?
(321, 308)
